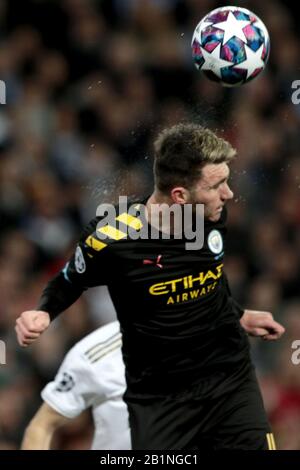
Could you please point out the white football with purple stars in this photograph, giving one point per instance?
(231, 45)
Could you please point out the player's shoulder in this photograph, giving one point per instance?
(103, 351)
(98, 340)
(113, 224)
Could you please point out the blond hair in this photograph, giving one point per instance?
(181, 151)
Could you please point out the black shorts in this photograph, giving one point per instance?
(228, 418)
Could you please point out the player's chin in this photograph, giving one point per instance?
(214, 217)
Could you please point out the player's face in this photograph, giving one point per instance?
(212, 190)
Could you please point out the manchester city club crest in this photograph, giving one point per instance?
(215, 241)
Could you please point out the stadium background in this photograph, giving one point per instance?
(88, 83)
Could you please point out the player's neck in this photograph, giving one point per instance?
(159, 198)
(154, 211)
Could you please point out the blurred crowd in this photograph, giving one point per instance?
(88, 85)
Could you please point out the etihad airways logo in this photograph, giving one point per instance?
(188, 287)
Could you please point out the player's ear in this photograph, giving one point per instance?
(180, 195)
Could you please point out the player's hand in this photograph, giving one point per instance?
(30, 325)
(261, 324)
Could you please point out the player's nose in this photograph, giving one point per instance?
(227, 193)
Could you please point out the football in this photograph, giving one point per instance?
(231, 45)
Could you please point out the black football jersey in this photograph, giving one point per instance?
(178, 319)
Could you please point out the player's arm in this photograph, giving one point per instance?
(40, 431)
(261, 324)
(237, 309)
(62, 291)
(64, 398)
(58, 295)
(256, 323)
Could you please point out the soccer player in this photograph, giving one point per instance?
(91, 376)
(190, 380)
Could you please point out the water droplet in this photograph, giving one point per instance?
(182, 34)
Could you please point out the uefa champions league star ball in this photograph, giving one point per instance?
(231, 45)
